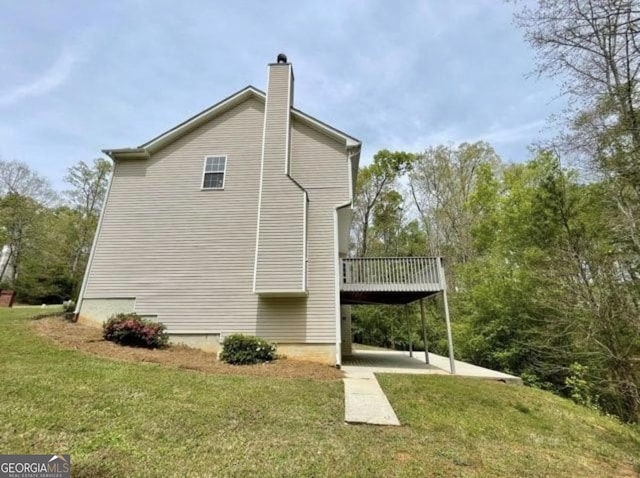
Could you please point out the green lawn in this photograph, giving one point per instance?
(128, 419)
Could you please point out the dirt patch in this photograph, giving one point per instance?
(89, 340)
(627, 470)
(402, 457)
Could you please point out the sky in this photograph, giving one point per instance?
(77, 77)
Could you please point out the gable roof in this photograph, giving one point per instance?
(146, 149)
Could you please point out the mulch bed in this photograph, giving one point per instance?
(89, 340)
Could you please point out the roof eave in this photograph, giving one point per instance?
(350, 141)
(127, 153)
(145, 150)
(197, 120)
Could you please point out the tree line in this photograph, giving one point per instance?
(46, 235)
(543, 256)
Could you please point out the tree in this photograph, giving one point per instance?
(88, 186)
(45, 274)
(22, 194)
(49, 246)
(387, 221)
(372, 181)
(547, 295)
(86, 196)
(18, 229)
(442, 182)
(17, 177)
(593, 46)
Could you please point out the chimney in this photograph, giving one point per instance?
(278, 107)
(280, 263)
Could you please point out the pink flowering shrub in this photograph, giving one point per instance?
(134, 331)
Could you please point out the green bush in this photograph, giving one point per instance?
(580, 388)
(240, 349)
(68, 309)
(134, 331)
(69, 306)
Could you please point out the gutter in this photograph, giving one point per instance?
(127, 153)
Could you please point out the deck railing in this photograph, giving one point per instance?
(391, 274)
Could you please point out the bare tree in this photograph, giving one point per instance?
(16, 177)
(593, 47)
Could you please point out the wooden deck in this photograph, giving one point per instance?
(389, 280)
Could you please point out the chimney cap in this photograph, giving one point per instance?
(282, 58)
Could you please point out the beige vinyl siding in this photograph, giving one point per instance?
(281, 241)
(187, 255)
(319, 164)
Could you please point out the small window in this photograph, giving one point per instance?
(214, 170)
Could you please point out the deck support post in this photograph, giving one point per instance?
(443, 284)
(452, 360)
(424, 333)
(407, 317)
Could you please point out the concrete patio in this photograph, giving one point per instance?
(365, 401)
(392, 361)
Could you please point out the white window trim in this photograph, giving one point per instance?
(204, 170)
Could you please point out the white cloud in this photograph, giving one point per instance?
(453, 135)
(500, 137)
(510, 134)
(55, 76)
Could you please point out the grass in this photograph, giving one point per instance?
(120, 418)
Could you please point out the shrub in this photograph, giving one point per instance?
(581, 389)
(68, 306)
(69, 310)
(240, 349)
(134, 331)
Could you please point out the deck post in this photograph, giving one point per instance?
(408, 321)
(424, 333)
(452, 361)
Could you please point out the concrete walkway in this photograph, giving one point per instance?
(365, 402)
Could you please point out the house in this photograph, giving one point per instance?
(236, 220)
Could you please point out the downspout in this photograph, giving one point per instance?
(85, 280)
